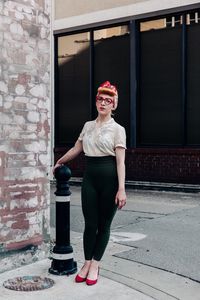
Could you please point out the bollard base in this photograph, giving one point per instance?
(59, 267)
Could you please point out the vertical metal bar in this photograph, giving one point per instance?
(56, 91)
(184, 81)
(91, 74)
(134, 38)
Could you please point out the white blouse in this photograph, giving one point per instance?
(101, 140)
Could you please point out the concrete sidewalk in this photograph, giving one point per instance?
(66, 288)
(124, 275)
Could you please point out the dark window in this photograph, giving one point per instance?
(160, 109)
(112, 62)
(193, 83)
(75, 79)
(72, 97)
(169, 84)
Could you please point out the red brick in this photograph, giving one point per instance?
(21, 224)
(36, 240)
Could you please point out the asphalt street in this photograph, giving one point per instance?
(154, 244)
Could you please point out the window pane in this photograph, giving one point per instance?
(112, 62)
(72, 99)
(154, 24)
(160, 85)
(193, 88)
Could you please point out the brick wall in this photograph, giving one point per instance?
(153, 165)
(164, 165)
(24, 128)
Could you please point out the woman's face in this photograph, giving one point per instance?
(104, 104)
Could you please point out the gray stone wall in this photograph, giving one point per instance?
(24, 130)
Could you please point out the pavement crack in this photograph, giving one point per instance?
(124, 226)
(144, 212)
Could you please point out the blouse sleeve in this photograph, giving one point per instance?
(120, 137)
(80, 138)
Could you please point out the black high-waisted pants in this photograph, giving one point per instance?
(99, 188)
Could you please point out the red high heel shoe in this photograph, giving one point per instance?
(92, 281)
(79, 279)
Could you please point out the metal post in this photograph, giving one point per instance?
(63, 262)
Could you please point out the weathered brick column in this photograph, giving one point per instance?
(24, 130)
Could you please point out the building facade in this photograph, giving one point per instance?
(24, 130)
(149, 49)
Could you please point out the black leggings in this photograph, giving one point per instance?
(99, 188)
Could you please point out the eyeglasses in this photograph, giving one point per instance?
(107, 101)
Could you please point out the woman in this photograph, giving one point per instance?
(103, 189)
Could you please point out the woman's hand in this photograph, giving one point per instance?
(120, 198)
(56, 166)
(69, 155)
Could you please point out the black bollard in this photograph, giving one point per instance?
(63, 262)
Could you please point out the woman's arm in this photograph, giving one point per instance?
(120, 198)
(69, 155)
